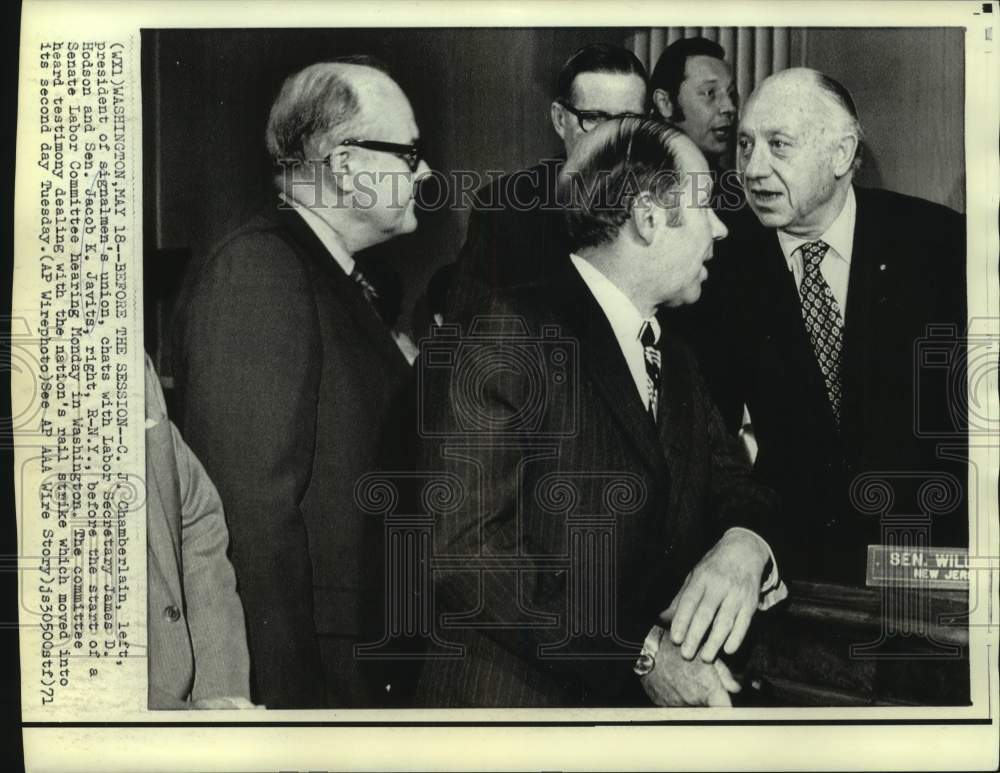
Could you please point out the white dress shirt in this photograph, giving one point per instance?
(835, 268)
(836, 264)
(324, 232)
(626, 321)
(345, 260)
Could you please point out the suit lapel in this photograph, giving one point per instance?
(867, 295)
(352, 299)
(602, 359)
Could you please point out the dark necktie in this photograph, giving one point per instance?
(648, 337)
(368, 289)
(824, 321)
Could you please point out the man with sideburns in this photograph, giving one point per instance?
(688, 562)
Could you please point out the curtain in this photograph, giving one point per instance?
(752, 52)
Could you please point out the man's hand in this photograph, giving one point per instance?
(725, 588)
(675, 681)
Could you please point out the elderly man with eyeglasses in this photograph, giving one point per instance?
(516, 231)
(286, 374)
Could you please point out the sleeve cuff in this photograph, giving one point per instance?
(772, 587)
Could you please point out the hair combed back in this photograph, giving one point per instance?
(670, 69)
(600, 57)
(312, 101)
(638, 157)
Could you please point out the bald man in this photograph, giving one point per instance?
(825, 314)
(287, 374)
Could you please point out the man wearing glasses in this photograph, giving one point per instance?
(287, 374)
(516, 232)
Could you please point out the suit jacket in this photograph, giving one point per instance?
(197, 638)
(907, 272)
(582, 446)
(516, 235)
(286, 375)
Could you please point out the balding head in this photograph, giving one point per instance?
(325, 103)
(637, 207)
(345, 144)
(798, 147)
(803, 90)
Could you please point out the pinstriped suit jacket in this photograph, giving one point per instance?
(513, 561)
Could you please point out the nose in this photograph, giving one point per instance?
(719, 230)
(753, 162)
(727, 104)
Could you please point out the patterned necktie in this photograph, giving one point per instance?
(649, 334)
(367, 288)
(824, 321)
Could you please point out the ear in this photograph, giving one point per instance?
(645, 217)
(661, 100)
(558, 119)
(844, 151)
(341, 164)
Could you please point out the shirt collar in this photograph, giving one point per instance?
(626, 320)
(324, 232)
(840, 234)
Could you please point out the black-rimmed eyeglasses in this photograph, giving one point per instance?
(591, 119)
(411, 154)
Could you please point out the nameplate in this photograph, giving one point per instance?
(930, 567)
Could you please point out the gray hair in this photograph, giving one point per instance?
(836, 92)
(314, 101)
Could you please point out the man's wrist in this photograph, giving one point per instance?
(772, 588)
(757, 544)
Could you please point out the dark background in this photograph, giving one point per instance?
(481, 98)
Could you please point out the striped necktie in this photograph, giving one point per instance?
(649, 335)
(824, 321)
(368, 289)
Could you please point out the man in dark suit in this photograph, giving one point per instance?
(516, 231)
(597, 473)
(287, 375)
(820, 323)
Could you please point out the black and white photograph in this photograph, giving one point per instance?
(546, 385)
(540, 368)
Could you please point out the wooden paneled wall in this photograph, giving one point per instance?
(909, 88)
